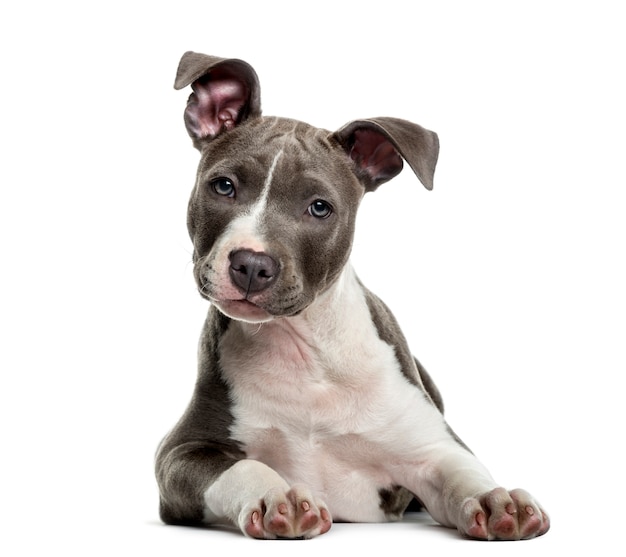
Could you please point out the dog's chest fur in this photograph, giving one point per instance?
(320, 398)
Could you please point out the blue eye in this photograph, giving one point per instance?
(320, 209)
(223, 186)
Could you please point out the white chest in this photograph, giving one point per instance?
(327, 407)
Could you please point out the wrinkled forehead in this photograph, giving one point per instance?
(285, 154)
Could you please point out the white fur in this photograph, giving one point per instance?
(261, 204)
(239, 486)
(320, 398)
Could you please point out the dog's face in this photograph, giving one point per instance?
(273, 210)
(271, 217)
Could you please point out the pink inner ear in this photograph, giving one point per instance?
(373, 152)
(215, 104)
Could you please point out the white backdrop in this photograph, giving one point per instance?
(508, 277)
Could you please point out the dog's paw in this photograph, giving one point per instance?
(286, 514)
(503, 515)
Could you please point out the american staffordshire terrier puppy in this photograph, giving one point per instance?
(309, 406)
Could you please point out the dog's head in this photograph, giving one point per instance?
(273, 209)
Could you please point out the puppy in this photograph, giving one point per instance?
(308, 405)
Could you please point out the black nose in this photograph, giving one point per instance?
(252, 271)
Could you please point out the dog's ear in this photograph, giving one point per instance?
(378, 145)
(226, 91)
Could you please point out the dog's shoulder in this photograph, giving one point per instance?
(390, 332)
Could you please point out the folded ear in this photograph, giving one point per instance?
(378, 145)
(226, 92)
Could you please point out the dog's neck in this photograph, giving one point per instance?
(339, 317)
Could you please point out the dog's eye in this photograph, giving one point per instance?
(320, 209)
(223, 186)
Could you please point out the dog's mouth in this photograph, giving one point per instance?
(243, 310)
(253, 306)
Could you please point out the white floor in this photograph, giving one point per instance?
(151, 538)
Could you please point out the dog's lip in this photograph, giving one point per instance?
(243, 309)
(241, 302)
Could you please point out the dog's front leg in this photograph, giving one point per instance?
(458, 491)
(261, 503)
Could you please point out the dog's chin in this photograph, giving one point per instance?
(243, 310)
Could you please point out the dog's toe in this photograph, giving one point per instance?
(253, 526)
(533, 521)
(503, 515)
(291, 514)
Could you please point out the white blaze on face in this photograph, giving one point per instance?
(260, 206)
(245, 229)
(242, 233)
